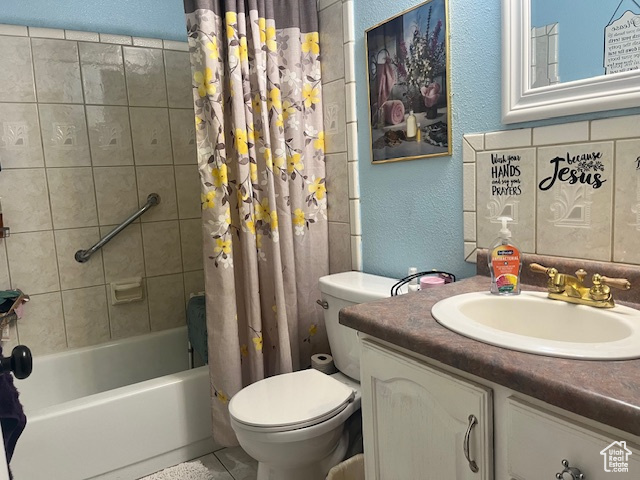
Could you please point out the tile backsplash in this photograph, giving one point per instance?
(90, 125)
(573, 190)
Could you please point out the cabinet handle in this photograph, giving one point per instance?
(575, 473)
(473, 421)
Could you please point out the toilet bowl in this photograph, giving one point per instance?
(293, 424)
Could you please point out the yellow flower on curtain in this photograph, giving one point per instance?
(310, 94)
(279, 161)
(273, 100)
(271, 39)
(298, 217)
(207, 199)
(313, 329)
(222, 246)
(262, 210)
(257, 343)
(220, 175)
(253, 168)
(279, 121)
(256, 103)
(240, 141)
(311, 44)
(319, 142)
(318, 188)
(231, 19)
(267, 158)
(242, 195)
(250, 225)
(204, 82)
(259, 241)
(222, 396)
(251, 137)
(243, 50)
(287, 109)
(244, 351)
(295, 163)
(274, 220)
(212, 46)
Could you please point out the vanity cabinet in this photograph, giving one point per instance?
(415, 417)
(418, 420)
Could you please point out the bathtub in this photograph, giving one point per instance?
(120, 410)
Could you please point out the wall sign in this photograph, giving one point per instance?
(622, 44)
(505, 175)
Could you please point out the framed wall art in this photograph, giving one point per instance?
(408, 81)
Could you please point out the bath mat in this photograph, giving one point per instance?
(184, 471)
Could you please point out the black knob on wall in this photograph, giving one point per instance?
(20, 362)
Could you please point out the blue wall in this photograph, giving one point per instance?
(140, 18)
(412, 211)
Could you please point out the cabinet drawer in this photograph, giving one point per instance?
(538, 441)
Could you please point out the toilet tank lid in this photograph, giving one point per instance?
(356, 287)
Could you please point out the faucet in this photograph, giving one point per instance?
(570, 288)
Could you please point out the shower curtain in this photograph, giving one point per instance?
(258, 113)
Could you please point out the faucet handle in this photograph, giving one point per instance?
(620, 283)
(537, 268)
(581, 274)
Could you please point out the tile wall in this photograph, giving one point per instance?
(337, 40)
(90, 124)
(573, 190)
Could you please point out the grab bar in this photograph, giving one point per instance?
(84, 255)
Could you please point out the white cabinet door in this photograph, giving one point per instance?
(415, 420)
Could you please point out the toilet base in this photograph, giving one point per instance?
(314, 471)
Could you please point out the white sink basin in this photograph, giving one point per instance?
(531, 322)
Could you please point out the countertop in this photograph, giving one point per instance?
(604, 391)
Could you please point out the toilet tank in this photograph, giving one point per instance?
(342, 290)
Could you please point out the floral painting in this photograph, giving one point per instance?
(408, 74)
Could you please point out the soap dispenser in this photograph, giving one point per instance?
(504, 262)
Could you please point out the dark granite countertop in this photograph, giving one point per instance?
(604, 391)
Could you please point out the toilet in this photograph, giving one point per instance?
(293, 424)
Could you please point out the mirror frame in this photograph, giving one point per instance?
(520, 103)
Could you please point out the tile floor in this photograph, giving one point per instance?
(229, 464)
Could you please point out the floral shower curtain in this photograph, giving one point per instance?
(257, 94)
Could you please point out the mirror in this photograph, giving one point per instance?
(562, 57)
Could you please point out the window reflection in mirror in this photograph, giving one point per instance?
(578, 39)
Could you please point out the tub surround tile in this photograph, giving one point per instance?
(356, 253)
(575, 219)
(166, 302)
(191, 243)
(20, 143)
(109, 135)
(348, 21)
(567, 133)
(506, 187)
(103, 74)
(72, 194)
(332, 42)
(16, 71)
(116, 193)
(469, 187)
(188, 191)
(129, 319)
(123, 256)
(174, 45)
(352, 141)
(42, 326)
(618, 127)
(147, 42)
(183, 136)
(349, 62)
(5, 281)
(193, 283)
(32, 262)
(118, 39)
(354, 214)
(151, 136)
(354, 180)
(335, 137)
(507, 139)
(81, 36)
(350, 102)
(337, 187)
(145, 74)
(64, 135)
(72, 273)
(14, 30)
(339, 247)
(322, 4)
(179, 89)
(160, 180)
(57, 71)
(35, 32)
(86, 316)
(162, 251)
(627, 202)
(26, 209)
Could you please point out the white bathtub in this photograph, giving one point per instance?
(120, 410)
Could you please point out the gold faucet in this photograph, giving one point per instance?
(572, 289)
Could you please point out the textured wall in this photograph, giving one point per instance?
(412, 211)
(140, 18)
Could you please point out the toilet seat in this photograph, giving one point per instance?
(290, 401)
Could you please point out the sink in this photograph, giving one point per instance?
(530, 322)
